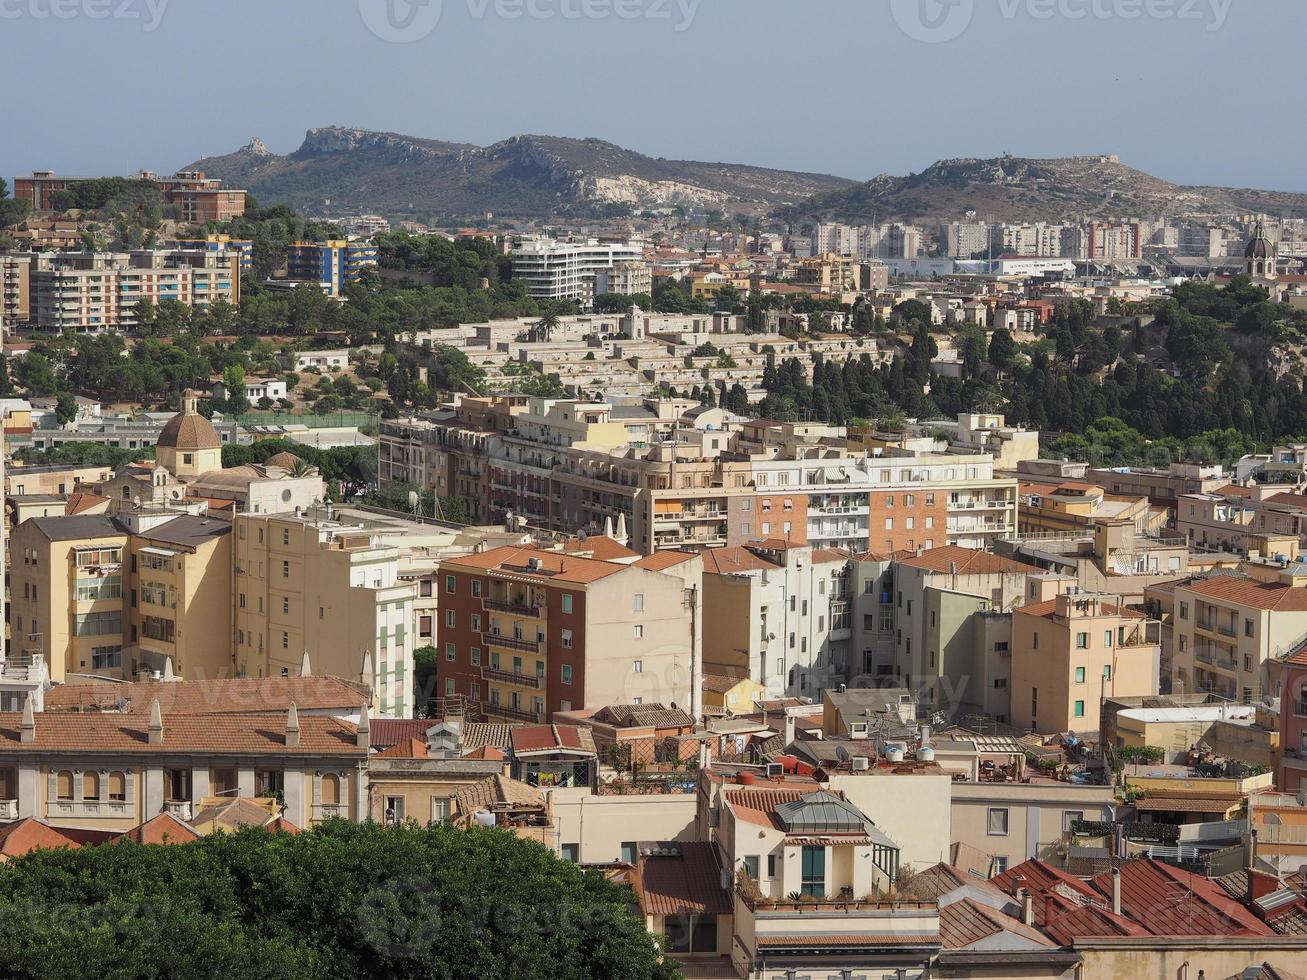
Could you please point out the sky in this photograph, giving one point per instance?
(1195, 91)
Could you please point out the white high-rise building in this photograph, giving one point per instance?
(553, 269)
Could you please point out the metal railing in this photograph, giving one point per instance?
(513, 677)
(511, 642)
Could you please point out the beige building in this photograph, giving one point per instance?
(115, 596)
(1072, 651)
(1227, 630)
(328, 589)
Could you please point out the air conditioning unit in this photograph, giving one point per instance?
(775, 770)
(861, 763)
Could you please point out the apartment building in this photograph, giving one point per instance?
(1112, 242)
(562, 270)
(332, 264)
(91, 292)
(112, 771)
(15, 290)
(524, 633)
(1077, 508)
(1228, 630)
(114, 596)
(778, 614)
(1292, 774)
(952, 636)
(308, 585)
(625, 279)
(243, 247)
(198, 198)
(965, 239)
(1070, 652)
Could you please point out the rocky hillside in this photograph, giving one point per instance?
(339, 169)
(1020, 189)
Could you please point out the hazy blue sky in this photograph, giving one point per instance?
(1198, 91)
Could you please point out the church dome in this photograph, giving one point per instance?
(189, 430)
(1259, 246)
(287, 461)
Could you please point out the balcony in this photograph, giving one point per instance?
(535, 681)
(513, 714)
(511, 642)
(181, 809)
(517, 608)
(326, 811)
(8, 810)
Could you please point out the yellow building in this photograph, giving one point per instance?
(1071, 652)
(328, 589)
(730, 695)
(188, 444)
(112, 772)
(1075, 508)
(114, 596)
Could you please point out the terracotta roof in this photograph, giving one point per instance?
(643, 716)
(1250, 592)
(234, 734)
(385, 732)
(1232, 490)
(219, 696)
(233, 815)
(940, 879)
(553, 566)
(720, 683)
(413, 748)
(1171, 902)
(546, 738)
(80, 503)
(1288, 499)
(481, 734)
(1182, 803)
(688, 883)
(487, 753)
(188, 431)
(32, 834)
(1267, 971)
(494, 791)
(730, 561)
(1044, 610)
(163, 829)
(286, 460)
(967, 922)
(968, 562)
(662, 560)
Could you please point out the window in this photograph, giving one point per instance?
(997, 822)
(117, 787)
(451, 584)
(1070, 817)
(450, 650)
(1184, 610)
(106, 658)
(637, 666)
(637, 632)
(771, 865)
(1034, 641)
(1082, 641)
(476, 622)
(566, 673)
(570, 852)
(476, 587)
(567, 603)
(90, 785)
(424, 589)
(1000, 865)
(450, 687)
(440, 809)
(285, 569)
(64, 786)
(628, 852)
(1247, 627)
(1107, 638)
(394, 809)
(451, 619)
(1080, 675)
(475, 656)
(638, 604)
(812, 880)
(1080, 709)
(285, 605)
(752, 866)
(566, 638)
(1107, 672)
(424, 626)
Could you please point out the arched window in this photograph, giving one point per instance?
(117, 787)
(90, 785)
(330, 789)
(64, 786)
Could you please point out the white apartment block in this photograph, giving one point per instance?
(560, 270)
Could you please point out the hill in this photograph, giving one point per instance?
(1022, 189)
(525, 176)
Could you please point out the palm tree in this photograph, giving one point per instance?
(544, 329)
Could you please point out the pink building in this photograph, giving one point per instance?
(1293, 723)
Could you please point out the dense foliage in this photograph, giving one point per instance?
(345, 900)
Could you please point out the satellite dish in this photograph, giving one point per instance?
(581, 535)
(414, 501)
(136, 502)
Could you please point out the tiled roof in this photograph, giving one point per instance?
(545, 738)
(494, 791)
(1171, 902)
(731, 561)
(1185, 803)
(966, 922)
(90, 734)
(31, 834)
(413, 748)
(553, 566)
(968, 562)
(685, 884)
(643, 716)
(163, 829)
(662, 560)
(599, 547)
(480, 734)
(1288, 499)
(385, 732)
(940, 879)
(219, 696)
(80, 502)
(720, 683)
(1266, 971)
(1250, 592)
(232, 815)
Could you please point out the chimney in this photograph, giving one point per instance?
(27, 729)
(168, 674)
(364, 737)
(1116, 891)
(1252, 864)
(292, 727)
(1027, 907)
(305, 669)
(156, 723)
(789, 729)
(1050, 904)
